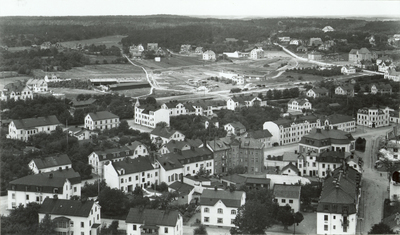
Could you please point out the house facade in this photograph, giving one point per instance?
(72, 216)
(102, 120)
(244, 101)
(98, 158)
(341, 122)
(48, 164)
(298, 104)
(373, 117)
(16, 91)
(163, 135)
(392, 74)
(24, 128)
(209, 55)
(35, 188)
(219, 208)
(37, 85)
(150, 116)
(151, 221)
(257, 53)
(345, 90)
(357, 55)
(235, 128)
(348, 70)
(317, 92)
(285, 194)
(315, 55)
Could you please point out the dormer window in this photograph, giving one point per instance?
(55, 190)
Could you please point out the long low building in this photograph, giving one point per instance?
(22, 129)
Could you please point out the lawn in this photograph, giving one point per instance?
(108, 41)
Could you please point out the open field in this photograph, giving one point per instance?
(175, 61)
(108, 41)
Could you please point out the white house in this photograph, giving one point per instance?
(150, 115)
(24, 128)
(341, 122)
(72, 216)
(299, 104)
(163, 135)
(317, 92)
(128, 174)
(101, 120)
(53, 163)
(392, 74)
(345, 90)
(17, 91)
(348, 70)
(373, 117)
(37, 85)
(219, 208)
(328, 29)
(171, 170)
(175, 108)
(338, 204)
(286, 194)
(98, 158)
(209, 55)
(244, 101)
(257, 53)
(35, 188)
(235, 128)
(150, 221)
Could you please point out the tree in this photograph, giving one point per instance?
(161, 124)
(252, 218)
(200, 230)
(46, 226)
(163, 187)
(309, 192)
(111, 230)
(285, 216)
(381, 228)
(22, 220)
(113, 202)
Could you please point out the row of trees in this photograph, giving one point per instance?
(334, 71)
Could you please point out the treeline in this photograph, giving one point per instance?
(103, 50)
(333, 71)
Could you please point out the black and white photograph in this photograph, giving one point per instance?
(199, 117)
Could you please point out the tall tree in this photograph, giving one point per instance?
(381, 228)
(200, 230)
(46, 226)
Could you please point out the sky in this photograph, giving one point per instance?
(234, 8)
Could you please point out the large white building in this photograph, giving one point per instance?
(219, 208)
(102, 120)
(257, 53)
(209, 55)
(35, 188)
(338, 205)
(37, 85)
(128, 174)
(150, 115)
(341, 122)
(150, 221)
(52, 163)
(299, 105)
(286, 194)
(163, 135)
(72, 216)
(373, 117)
(244, 101)
(24, 128)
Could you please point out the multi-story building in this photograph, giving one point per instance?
(345, 90)
(24, 128)
(98, 158)
(257, 53)
(235, 128)
(72, 216)
(37, 85)
(182, 145)
(263, 136)
(221, 151)
(175, 108)
(338, 205)
(320, 140)
(150, 221)
(244, 101)
(341, 122)
(209, 55)
(150, 115)
(373, 117)
(285, 194)
(52, 163)
(170, 169)
(392, 74)
(163, 135)
(128, 174)
(322, 164)
(17, 91)
(102, 120)
(35, 188)
(357, 55)
(317, 92)
(219, 208)
(138, 149)
(298, 105)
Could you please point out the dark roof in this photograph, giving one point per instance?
(102, 115)
(290, 166)
(331, 157)
(46, 181)
(250, 143)
(230, 199)
(257, 180)
(151, 217)
(181, 187)
(235, 178)
(169, 162)
(218, 145)
(134, 145)
(181, 144)
(237, 125)
(321, 137)
(31, 123)
(287, 191)
(109, 154)
(48, 162)
(66, 207)
(338, 118)
(165, 132)
(258, 134)
(320, 90)
(136, 165)
(290, 156)
(197, 178)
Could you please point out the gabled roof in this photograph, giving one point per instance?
(287, 191)
(102, 115)
(134, 145)
(181, 144)
(165, 132)
(131, 166)
(37, 82)
(235, 178)
(291, 167)
(258, 134)
(31, 123)
(250, 143)
(109, 154)
(66, 207)
(236, 125)
(338, 118)
(320, 137)
(242, 99)
(182, 188)
(169, 162)
(172, 104)
(230, 199)
(320, 90)
(191, 155)
(151, 217)
(218, 145)
(53, 161)
(290, 156)
(16, 86)
(299, 101)
(331, 157)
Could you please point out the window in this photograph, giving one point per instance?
(219, 220)
(13, 196)
(220, 211)
(233, 212)
(283, 200)
(206, 219)
(75, 189)
(326, 217)
(165, 230)
(130, 179)
(334, 226)
(334, 217)
(206, 210)
(71, 224)
(290, 201)
(82, 224)
(326, 227)
(122, 180)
